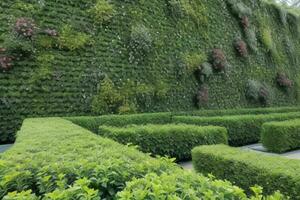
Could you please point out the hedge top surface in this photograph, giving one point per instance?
(287, 123)
(272, 163)
(49, 148)
(235, 118)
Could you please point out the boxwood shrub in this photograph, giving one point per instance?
(53, 157)
(279, 137)
(242, 129)
(166, 140)
(246, 168)
(93, 123)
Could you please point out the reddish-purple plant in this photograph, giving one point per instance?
(203, 96)
(241, 47)
(219, 60)
(283, 80)
(245, 22)
(51, 32)
(5, 62)
(25, 27)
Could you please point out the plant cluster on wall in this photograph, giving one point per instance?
(57, 56)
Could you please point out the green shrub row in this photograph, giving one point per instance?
(93, 123)
(54, 159)
(245, 168)
(281, 136)
(240, 111)
(166, 140)
(242, 129)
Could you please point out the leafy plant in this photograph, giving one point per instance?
(176, 8)
(25, 27)
(219, 61)
(108, 99)
(283, 81)
(71, 40)
(24, 195)
(202, 96)
(238, 8)
(141, 42)
(251, 39)
(241, 47)
(194, 60)
(102, 11)
(204, 72)
(258, 92)
(18, 47)
(5, 61)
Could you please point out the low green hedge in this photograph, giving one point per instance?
(238, 111)
(242, 129)
(279, 137)
(166, 140)
(246, 168)
(93, 123)
(187, 186)
(52, 157)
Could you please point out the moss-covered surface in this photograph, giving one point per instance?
(140, 43)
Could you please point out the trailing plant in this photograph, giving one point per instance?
(202, 96)
(194, 60)
(102, 11)
(141, 42)
(25, 27)
(219, 61)
(72, 40)
(283, 80)
(241, 47)
(204, 72)
(251, 39)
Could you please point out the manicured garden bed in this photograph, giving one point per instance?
(54, 159)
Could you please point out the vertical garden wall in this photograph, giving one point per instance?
(72, 57)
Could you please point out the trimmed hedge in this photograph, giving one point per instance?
(186, 186)
(52, 156)
(239, 111)
(167, 140)
(54, 159)
(279, 137)
(242, 129)
(93, 123)
(246, 168)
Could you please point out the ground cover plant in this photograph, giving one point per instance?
(242, 129)
(246, 168)
(56, 55)
(281, 136)
(54, 159)
(175, 141)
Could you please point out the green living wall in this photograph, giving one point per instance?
(76, 57)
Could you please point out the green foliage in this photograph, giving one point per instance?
(102, 11)
(251, 39)
(205, 71)
(18, 46)
(72, 40)
(238, 8)
(44, 71)
(93, 123)
(141, 42)
(108, 100)
(185, 186)
(297, 83)
(196, 10)
(258, 92)
(194, 60)
(242, 129)
(166, 140)
(246, 168)
(60, 160)
(281, 136)
(24, 195)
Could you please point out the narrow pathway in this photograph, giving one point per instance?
(4, 147)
